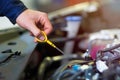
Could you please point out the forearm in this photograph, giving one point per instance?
(11, 9)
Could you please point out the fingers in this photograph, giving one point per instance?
(34, 30)
(45, 22)
(33, 21)
(42, 23)
(48, 27)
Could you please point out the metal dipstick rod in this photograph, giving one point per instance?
(51, 44)
(45, 39)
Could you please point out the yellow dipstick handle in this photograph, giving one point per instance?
(45, 39)
(50, 43)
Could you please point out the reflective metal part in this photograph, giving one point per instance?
(59, 50)
(45, 39)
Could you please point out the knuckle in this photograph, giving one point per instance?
(44, 14)
(36, 33)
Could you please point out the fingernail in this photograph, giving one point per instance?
(42, 38)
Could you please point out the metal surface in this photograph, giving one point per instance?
(12, 69)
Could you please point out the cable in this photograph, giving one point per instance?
(41, 70)
(109, 49)
(65, 66)
(49, 60)
(65, 72)
(75, 75)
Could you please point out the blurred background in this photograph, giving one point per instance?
(105, 13)
(79, 27)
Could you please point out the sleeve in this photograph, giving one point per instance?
(11, 9)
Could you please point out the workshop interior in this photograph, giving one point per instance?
(85, 38)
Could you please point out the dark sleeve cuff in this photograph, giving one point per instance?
(11, 9)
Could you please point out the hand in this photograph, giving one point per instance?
(34, 21)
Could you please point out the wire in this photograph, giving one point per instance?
(49, 60)
(109, 49)
(65, 66)
(65, 72)
(75, 75)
